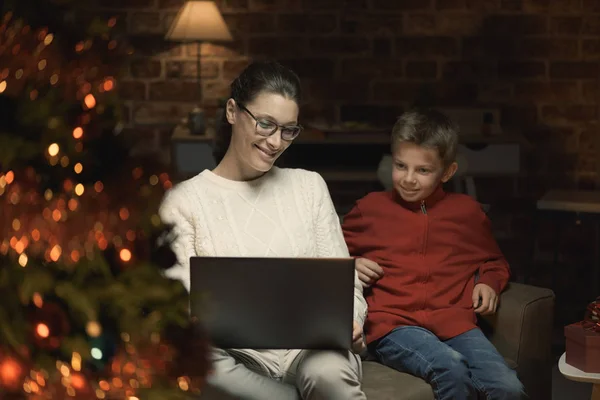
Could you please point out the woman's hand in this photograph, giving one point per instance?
(358, 341)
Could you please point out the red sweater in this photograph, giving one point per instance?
(430, 253)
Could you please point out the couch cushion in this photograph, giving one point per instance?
(379, 383)
(383, 383)
(511, 364)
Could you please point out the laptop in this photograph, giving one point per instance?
(274, 303)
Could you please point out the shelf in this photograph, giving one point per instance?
(348, 175)
(311, 137)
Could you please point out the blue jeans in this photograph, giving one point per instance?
(463, 367)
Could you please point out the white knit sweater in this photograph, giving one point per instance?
(284, 213)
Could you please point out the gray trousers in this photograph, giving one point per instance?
(287, 374)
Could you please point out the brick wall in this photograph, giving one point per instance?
(538, 60)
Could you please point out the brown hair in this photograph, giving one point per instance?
(256, 78)
(428, 128)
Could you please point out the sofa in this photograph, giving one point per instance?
(521, 330)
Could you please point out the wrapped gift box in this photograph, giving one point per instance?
(583, 348)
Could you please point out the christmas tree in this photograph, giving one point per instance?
(86, 311)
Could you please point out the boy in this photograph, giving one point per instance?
(429, 263)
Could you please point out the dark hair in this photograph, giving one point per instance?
(258, 77)
(428, 128)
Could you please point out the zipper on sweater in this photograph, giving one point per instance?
(423, 250)
(424, 211)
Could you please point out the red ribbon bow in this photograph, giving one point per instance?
(591, 321)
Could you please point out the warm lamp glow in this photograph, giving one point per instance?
(199, 20)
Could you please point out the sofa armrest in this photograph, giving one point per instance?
(521, 330)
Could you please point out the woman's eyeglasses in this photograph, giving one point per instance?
(266, 128)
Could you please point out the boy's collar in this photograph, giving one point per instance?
(430, 201)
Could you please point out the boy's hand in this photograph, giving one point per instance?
(358, 342)
(488, 298)
(368, 271)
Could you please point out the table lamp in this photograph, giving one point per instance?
(196, 22)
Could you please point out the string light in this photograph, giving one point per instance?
(56, 215)
(79, 189)
(73, 204)
(42, 330)
(109, 84)
(125, 255)
(23, 260)
(9, 177)
(76, 361)
(93, 329)
(68, 185)
(38, 229)
(89, 101)
(10, 372)
(48, 39)
(78, 382)
(78, 132)
(38, 300)
(124, 214)
(55, 253)
(96, 353)
(64, 370)
(183, 383)
(53, 149)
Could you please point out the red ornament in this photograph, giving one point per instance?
(12, 373)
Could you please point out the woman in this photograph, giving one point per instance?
(247, 207)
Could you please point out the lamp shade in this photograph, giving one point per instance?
(199, 20)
